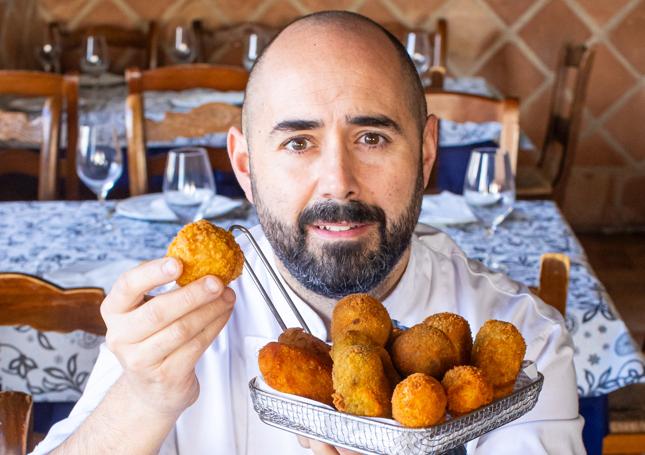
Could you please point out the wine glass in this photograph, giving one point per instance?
(47, 53)
(489, 191)
(188, 184)
(99, 161)
(418, 46)
(252, 49)
(95, 60)
(181, 48)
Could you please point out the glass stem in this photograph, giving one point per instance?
(490, 233)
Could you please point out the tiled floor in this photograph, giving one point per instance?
(619, 262)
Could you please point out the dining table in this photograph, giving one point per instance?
(102, 101)
(67, 243)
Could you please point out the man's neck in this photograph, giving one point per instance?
(324, 306)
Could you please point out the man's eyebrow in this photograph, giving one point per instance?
(382, 121)
(296, 125)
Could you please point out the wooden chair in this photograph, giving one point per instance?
(554, 280)
(118, 38)
(29, 300)
(465, 107)
(58, 91)
(16, 421)
(439, 40)
(225, 45)
(176, 78)
(549, 177)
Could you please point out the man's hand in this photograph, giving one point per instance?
(320, 448)
(159, 341)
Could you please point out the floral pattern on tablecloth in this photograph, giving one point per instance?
(606, 357)
(43, 237)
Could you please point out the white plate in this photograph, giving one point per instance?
(151, 207)
(104, 80)
(445, 209)
(27, 104)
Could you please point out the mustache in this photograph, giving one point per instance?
(333, 212)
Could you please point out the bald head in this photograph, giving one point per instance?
(338, 41)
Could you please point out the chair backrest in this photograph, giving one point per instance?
(58, 91)
(16, 420)
(565, 114)
(466, 107)
(439, 40)
(29, 300)
(176, 78)
(71, 41)
(554, 280)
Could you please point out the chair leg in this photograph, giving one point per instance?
(624, 443)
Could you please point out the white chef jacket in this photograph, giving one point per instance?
(438, 278)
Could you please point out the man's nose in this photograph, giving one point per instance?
(337, 172)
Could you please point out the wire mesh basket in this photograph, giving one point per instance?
(372, 436)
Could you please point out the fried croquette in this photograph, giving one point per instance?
(467, 389)
(458, 330)
(363, 313)
(503, 390)
(498, 351)
(297, 337)
(294, 370)
(205, 249)
(354, 337)
(423, 349)
(360, 384)
(419, 401)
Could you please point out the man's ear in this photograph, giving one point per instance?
(429, 147)
(238, 153)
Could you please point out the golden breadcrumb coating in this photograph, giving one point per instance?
(363, 313)
(467, 389)
(503, 390)
(423, 349)
(353, 337)
(295, 370)
(360, 384)
(297, 337)
(458, 330)
(498, 351)
(205, 249)
(419, 401)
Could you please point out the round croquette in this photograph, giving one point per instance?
(458, 330)
(423, 349)
(419, 401)
(498, 351)
(363, 313)
(467, 389)
(205, 249)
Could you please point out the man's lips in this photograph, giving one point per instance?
(343, 230)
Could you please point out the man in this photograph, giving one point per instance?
(335, 152)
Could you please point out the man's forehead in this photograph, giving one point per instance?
(311, 67)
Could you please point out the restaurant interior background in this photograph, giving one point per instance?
(513, 44)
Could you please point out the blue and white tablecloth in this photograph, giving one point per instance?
(43, 238)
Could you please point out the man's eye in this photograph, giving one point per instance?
(298, 144)
(372, 139)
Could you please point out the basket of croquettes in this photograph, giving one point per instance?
(387, 390)
(379, 388)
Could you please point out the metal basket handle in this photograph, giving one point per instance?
(283, 291)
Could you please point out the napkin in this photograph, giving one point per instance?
(444, 209)
(101, 274)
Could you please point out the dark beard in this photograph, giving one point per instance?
(343, 267)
